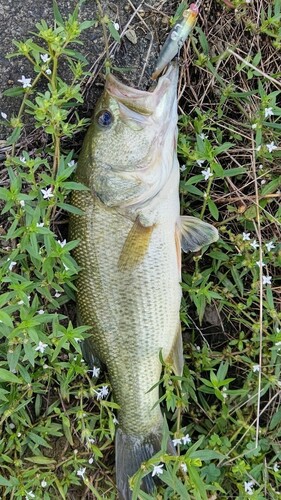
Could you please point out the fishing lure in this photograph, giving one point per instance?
(177, 37)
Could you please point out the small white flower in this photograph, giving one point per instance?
(224, 392)
(258, 148)
(248, 1)
(95, 371)
(186, 439)
(276, 467)
(203, 136)
(22, 203)
(81, 472)
(248, 487)
(48, 71)
(260, 166)
(41, 347)
(246, 236)
(20, 302)
(260, 264)
(40, 224)
(4, 115)
(271, 146)
(25, 82)
(30, 495)
(176, 441)
(268, 112)
(71, 163)
(45, 57)
(11, 265)
(254, 126)
(19, 434)
(207, 173)
(47, 193)
(116, 26)
(184, 467)
(254, 244)
(256, 368)
(200, 162)
(91, 460)
(182, 168)
(115, 421)
(57, 295)
(41, 311)
(22, 159)
(269, 246)
(263, 181)
(266, 280)
(62, 243)
(91, 440)
(44, 483)
(157, 470)
(102, 392)
(12, 425)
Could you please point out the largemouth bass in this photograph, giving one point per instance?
(130, 253)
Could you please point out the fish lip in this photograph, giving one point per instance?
(143, 101)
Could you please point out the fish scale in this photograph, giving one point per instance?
(128, 310)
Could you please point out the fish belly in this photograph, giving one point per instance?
(134, 312)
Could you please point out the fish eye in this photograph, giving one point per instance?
(104, 118)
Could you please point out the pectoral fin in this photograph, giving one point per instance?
(135, 246)
(195, 233)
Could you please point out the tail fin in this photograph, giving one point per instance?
(130, 452)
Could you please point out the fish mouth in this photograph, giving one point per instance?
(145, 102)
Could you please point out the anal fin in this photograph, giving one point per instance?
(175, 357)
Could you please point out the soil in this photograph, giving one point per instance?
(148, 22)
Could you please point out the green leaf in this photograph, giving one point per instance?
(41, 460)
(71, 209)
(193, 190)
(13, 357)
(6, 376)
(223, 147)
(13, 138)
(14, 92)
(213, 209)
(57, 14)
(206, 455)
(232, 172)
(272, 186)
(67, 429)
(113, 31)
(238, 280)
(6, 319)
(276, 419)
(86, 24)
(77, 186)
(4, 481)
(75, 55)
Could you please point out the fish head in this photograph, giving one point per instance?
(131, 131)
